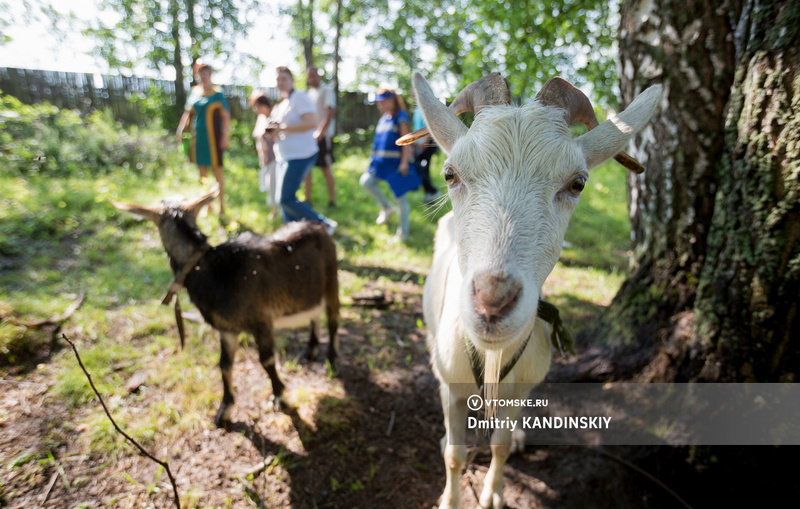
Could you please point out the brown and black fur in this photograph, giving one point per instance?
(250, 283)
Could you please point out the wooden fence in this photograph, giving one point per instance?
(124, 96)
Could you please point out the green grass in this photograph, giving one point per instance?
(599, 230)
(60, 238)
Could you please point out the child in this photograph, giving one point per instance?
(390, 162)
(262, 105)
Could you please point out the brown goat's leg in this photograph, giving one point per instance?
(269, 359)
(333, 337)
(313, 340)
(228, 345)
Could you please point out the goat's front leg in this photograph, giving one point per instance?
(313, 340)
(454, 446)
(269, 360)
(332, 312)
(228, 345)
(503, 441)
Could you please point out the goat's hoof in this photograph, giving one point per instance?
(223, 419)
(278, 403)
(492, 500)
(310, 355)
(517, 441)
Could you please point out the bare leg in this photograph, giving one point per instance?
(203, 173)
(228, 346)
(326, 170)
(307, 185)
(221, 181)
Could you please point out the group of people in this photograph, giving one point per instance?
(294, 135)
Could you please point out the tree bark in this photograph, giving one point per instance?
(307, 13)
(749, 291)
(191, 26)
(715, 219)
(177, 61)
(337, 21)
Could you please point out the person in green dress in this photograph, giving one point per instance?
(209, 108)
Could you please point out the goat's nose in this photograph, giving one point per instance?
(494, 295)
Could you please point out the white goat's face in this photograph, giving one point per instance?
(514, 180)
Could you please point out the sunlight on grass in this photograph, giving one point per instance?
(60, 238)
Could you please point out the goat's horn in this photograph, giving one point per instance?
(487, 91)
(198, 203)
(563, 94)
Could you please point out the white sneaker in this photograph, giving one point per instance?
(330, 225)
(400, 237)
(429, 197)
(384, 216)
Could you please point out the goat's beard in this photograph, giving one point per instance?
(492, 364)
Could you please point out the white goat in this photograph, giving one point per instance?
(514, 178)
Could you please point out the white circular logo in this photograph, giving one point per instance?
(475, 402)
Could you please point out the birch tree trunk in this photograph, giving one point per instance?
(715, 219)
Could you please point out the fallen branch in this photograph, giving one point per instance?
(53, 320)
(257, 469)
(49, 488)
(131, 440)
(391, 425)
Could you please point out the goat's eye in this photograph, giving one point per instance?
(577, 185)
(450, 175)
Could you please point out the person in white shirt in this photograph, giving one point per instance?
(292, 128)
(325, 99)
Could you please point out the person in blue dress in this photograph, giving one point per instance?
(209, 108)
(390, 162)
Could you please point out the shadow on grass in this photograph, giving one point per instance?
(362, 449)
(372, 272)
(578, 315)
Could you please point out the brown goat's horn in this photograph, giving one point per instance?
(563, 94)
(487, 91)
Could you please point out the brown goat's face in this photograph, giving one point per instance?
(154, 213)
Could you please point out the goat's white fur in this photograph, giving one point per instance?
(511, 208)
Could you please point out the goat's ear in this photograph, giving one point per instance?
(151, 213)
(445, 127)
(606, 140)
(194, 206)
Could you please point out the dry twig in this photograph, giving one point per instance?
(53, 320)
(49, 488)
(131, 440)
(391, 425)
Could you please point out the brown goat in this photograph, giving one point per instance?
(251, 284)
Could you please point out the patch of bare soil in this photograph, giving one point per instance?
(365, 438)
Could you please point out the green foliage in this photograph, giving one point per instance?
(528, 42)
(158, 105)
(42, 139)
(59, 237)
(146, 29)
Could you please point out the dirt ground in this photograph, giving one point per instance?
(366, 438)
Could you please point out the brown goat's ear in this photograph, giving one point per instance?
(194, 206)
(151, 213)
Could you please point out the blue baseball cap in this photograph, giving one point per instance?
(385, 95)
